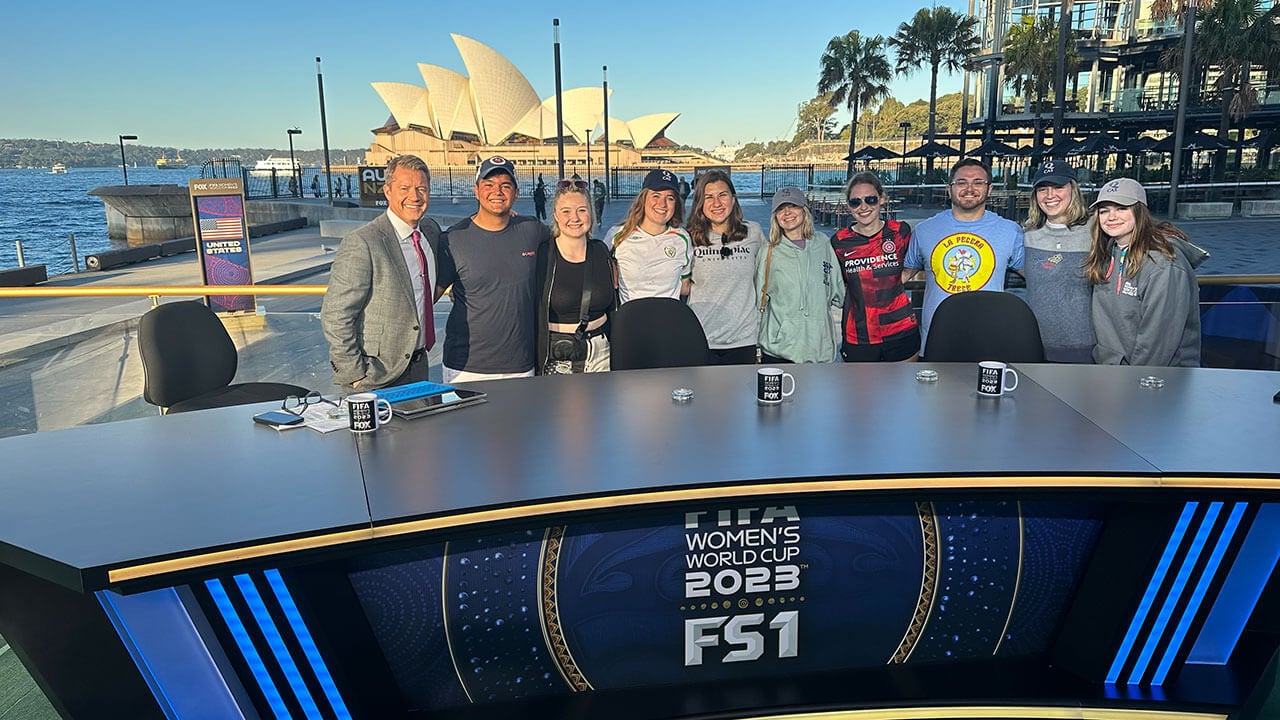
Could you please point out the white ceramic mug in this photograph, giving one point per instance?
(771, 385)
(993, 378)
(366, 412)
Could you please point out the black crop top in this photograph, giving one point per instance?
(566, 289)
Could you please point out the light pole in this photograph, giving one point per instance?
(555, 25)
(294, 174)
(324, 133)
(905, 125)
(588, 159)
(605, 91)
(123, 165)
(1184, 96)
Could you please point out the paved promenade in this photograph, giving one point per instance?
(71, 361)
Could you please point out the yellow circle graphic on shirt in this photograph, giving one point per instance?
(962, 262)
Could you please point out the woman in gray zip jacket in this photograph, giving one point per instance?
(1145, 306)
(798, 281)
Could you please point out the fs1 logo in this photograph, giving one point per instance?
(739, 632)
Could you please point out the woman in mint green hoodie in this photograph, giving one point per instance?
(798, 281)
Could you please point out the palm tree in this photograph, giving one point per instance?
(1235, 36)
(1031, 60)
(856, 73)
(937, 38)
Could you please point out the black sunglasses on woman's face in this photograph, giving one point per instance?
(868, 199)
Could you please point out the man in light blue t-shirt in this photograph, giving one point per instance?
(965, 248)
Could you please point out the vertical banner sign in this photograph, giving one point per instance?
(371, 180)
(217, 205)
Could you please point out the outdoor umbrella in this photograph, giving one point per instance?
(885, 153)
(867, 153)
(1094, 145)
(1266, 138)
(994, 148)
(1196, 142)
(1136, 145)
(933, 149)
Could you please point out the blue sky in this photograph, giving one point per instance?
(238, 73)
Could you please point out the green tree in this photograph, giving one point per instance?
(1234, 36)
(856, 73)
(1031, 61)
(814, 119)
(935, 38)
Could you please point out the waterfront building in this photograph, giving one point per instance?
(1121, 83)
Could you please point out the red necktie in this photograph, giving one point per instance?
(428, 318)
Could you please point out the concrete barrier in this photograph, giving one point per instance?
(1259, 208)
(23, 276)
(117, 258)
(271, 228)
(338, 228)
(1204, 210)
(169, 248)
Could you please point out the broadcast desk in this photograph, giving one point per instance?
(576, 542)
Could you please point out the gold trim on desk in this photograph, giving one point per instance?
(994, 712)
(699, 494)
(190, 562)
(1222, 483)
(640, 499)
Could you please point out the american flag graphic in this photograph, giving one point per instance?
(221, 229)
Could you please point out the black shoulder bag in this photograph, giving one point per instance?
(572, 347)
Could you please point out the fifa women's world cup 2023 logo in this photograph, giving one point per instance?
(962, 262)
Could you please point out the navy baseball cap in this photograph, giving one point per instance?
(497, 163)
(1054, 171)
(662, 180)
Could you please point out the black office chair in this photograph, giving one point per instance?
(984, 325)
(656, 333)
(188, 361)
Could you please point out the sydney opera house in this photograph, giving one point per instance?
(452, 118)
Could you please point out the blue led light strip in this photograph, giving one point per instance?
(1149, 597)
(1189, 561)
(1197, 595)
(245, 643)
(276, 643)
(309, 649)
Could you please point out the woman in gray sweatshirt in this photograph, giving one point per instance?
(1056, 241)
(1145, 306)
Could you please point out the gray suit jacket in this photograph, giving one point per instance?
(368, 315)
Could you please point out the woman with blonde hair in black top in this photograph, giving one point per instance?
(577, 288)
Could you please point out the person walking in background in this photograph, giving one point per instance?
(879, 323)
(655, 256)
(1145, 305)
(1056, 240)
(684, 189)
(725, 249)
(315, 185)
(797, 284)
(489, 260)
(964, 248)
(598, 195)
(347, 180)
(376, 314)
(576, 288)
(540, 199)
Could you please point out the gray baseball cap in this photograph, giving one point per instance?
(789, 196)
(1121, 191)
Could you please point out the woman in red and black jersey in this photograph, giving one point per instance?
(879, 323)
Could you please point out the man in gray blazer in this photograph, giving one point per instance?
(377, 314)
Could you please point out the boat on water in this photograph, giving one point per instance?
(58, 169)
(171, 163)
(275, 165)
